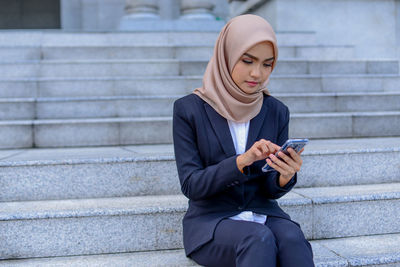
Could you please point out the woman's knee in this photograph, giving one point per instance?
(291, 234)
(260, 236)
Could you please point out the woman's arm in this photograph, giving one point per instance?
(199, 181)
(274, 184)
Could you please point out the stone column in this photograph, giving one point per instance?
(140, 15)
(197, 9)
(142, 9)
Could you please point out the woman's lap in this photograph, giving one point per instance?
(241, 243)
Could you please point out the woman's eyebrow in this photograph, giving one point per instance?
(255, 58)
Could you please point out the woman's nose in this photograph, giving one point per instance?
(255, 72)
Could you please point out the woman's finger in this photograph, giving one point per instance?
(280, 163)
(275, 166)
(295, 156)
(286, 158)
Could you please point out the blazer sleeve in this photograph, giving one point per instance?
(199, 181)
(270, 185)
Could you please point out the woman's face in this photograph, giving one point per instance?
(254, 67)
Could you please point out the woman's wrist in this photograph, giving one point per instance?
(283, 180)
(241, 162)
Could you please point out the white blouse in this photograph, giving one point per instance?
(239, 132)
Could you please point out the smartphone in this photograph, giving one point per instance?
(296, 144)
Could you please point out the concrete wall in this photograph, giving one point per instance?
(91, 14)
(370, 25)
(106, 14)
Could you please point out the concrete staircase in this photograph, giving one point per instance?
(87, 168)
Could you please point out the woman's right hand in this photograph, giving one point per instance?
(258, 151)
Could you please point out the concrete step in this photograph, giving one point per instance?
(158, 130)
(377, 250)
(190, 52)
(142, 106)
(181, 85)
(62, 38)
(40, 174)
(170, 67)
(116, 225)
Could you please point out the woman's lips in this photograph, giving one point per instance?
(252, 84)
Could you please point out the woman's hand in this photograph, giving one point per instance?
(287, 166)
(258, 151)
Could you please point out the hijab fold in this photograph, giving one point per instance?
(219, 90)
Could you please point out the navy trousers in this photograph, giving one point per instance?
(279, 242)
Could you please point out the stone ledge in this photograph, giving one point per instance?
(343, 252)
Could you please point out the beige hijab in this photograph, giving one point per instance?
(219, 90)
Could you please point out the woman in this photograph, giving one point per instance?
(223, 135)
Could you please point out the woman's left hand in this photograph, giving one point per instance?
(287, 166)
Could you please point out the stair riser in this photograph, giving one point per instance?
(98, 180)
(159, 131)
(356, 218)
(182, 86)
(104, 69)
(145, 107)
(56, 70)
(71, 181)
(161, 230)
(344, 126)
(114, 53)
(137, 38)
(90, 235)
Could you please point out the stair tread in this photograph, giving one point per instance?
(178, 203)
(167, 97)
(349, 251)
(32, 156)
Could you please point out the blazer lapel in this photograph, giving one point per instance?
(221, 128)
(255, 126)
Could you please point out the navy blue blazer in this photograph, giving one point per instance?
(209, 177)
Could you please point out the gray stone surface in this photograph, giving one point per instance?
(79, 227)
(369, 206)
(158, 130)
(76, 87)
(59, 173)
(11, 88)
(19, 53)
(179, 85)
(11, 109)
(54, 38)
(155, 221)
(142, 106)
(380, 250)
(16, 134)
(91, 132)
(324, 257)
(133, 51)
(358, 251)
(332, 168)
(20, 69)
(166, 258)
(324, 52)
(377, 124)
(168, 67)
(115, 177)
(320, 125)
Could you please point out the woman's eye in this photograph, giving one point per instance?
(247, 61)
(267, 65)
